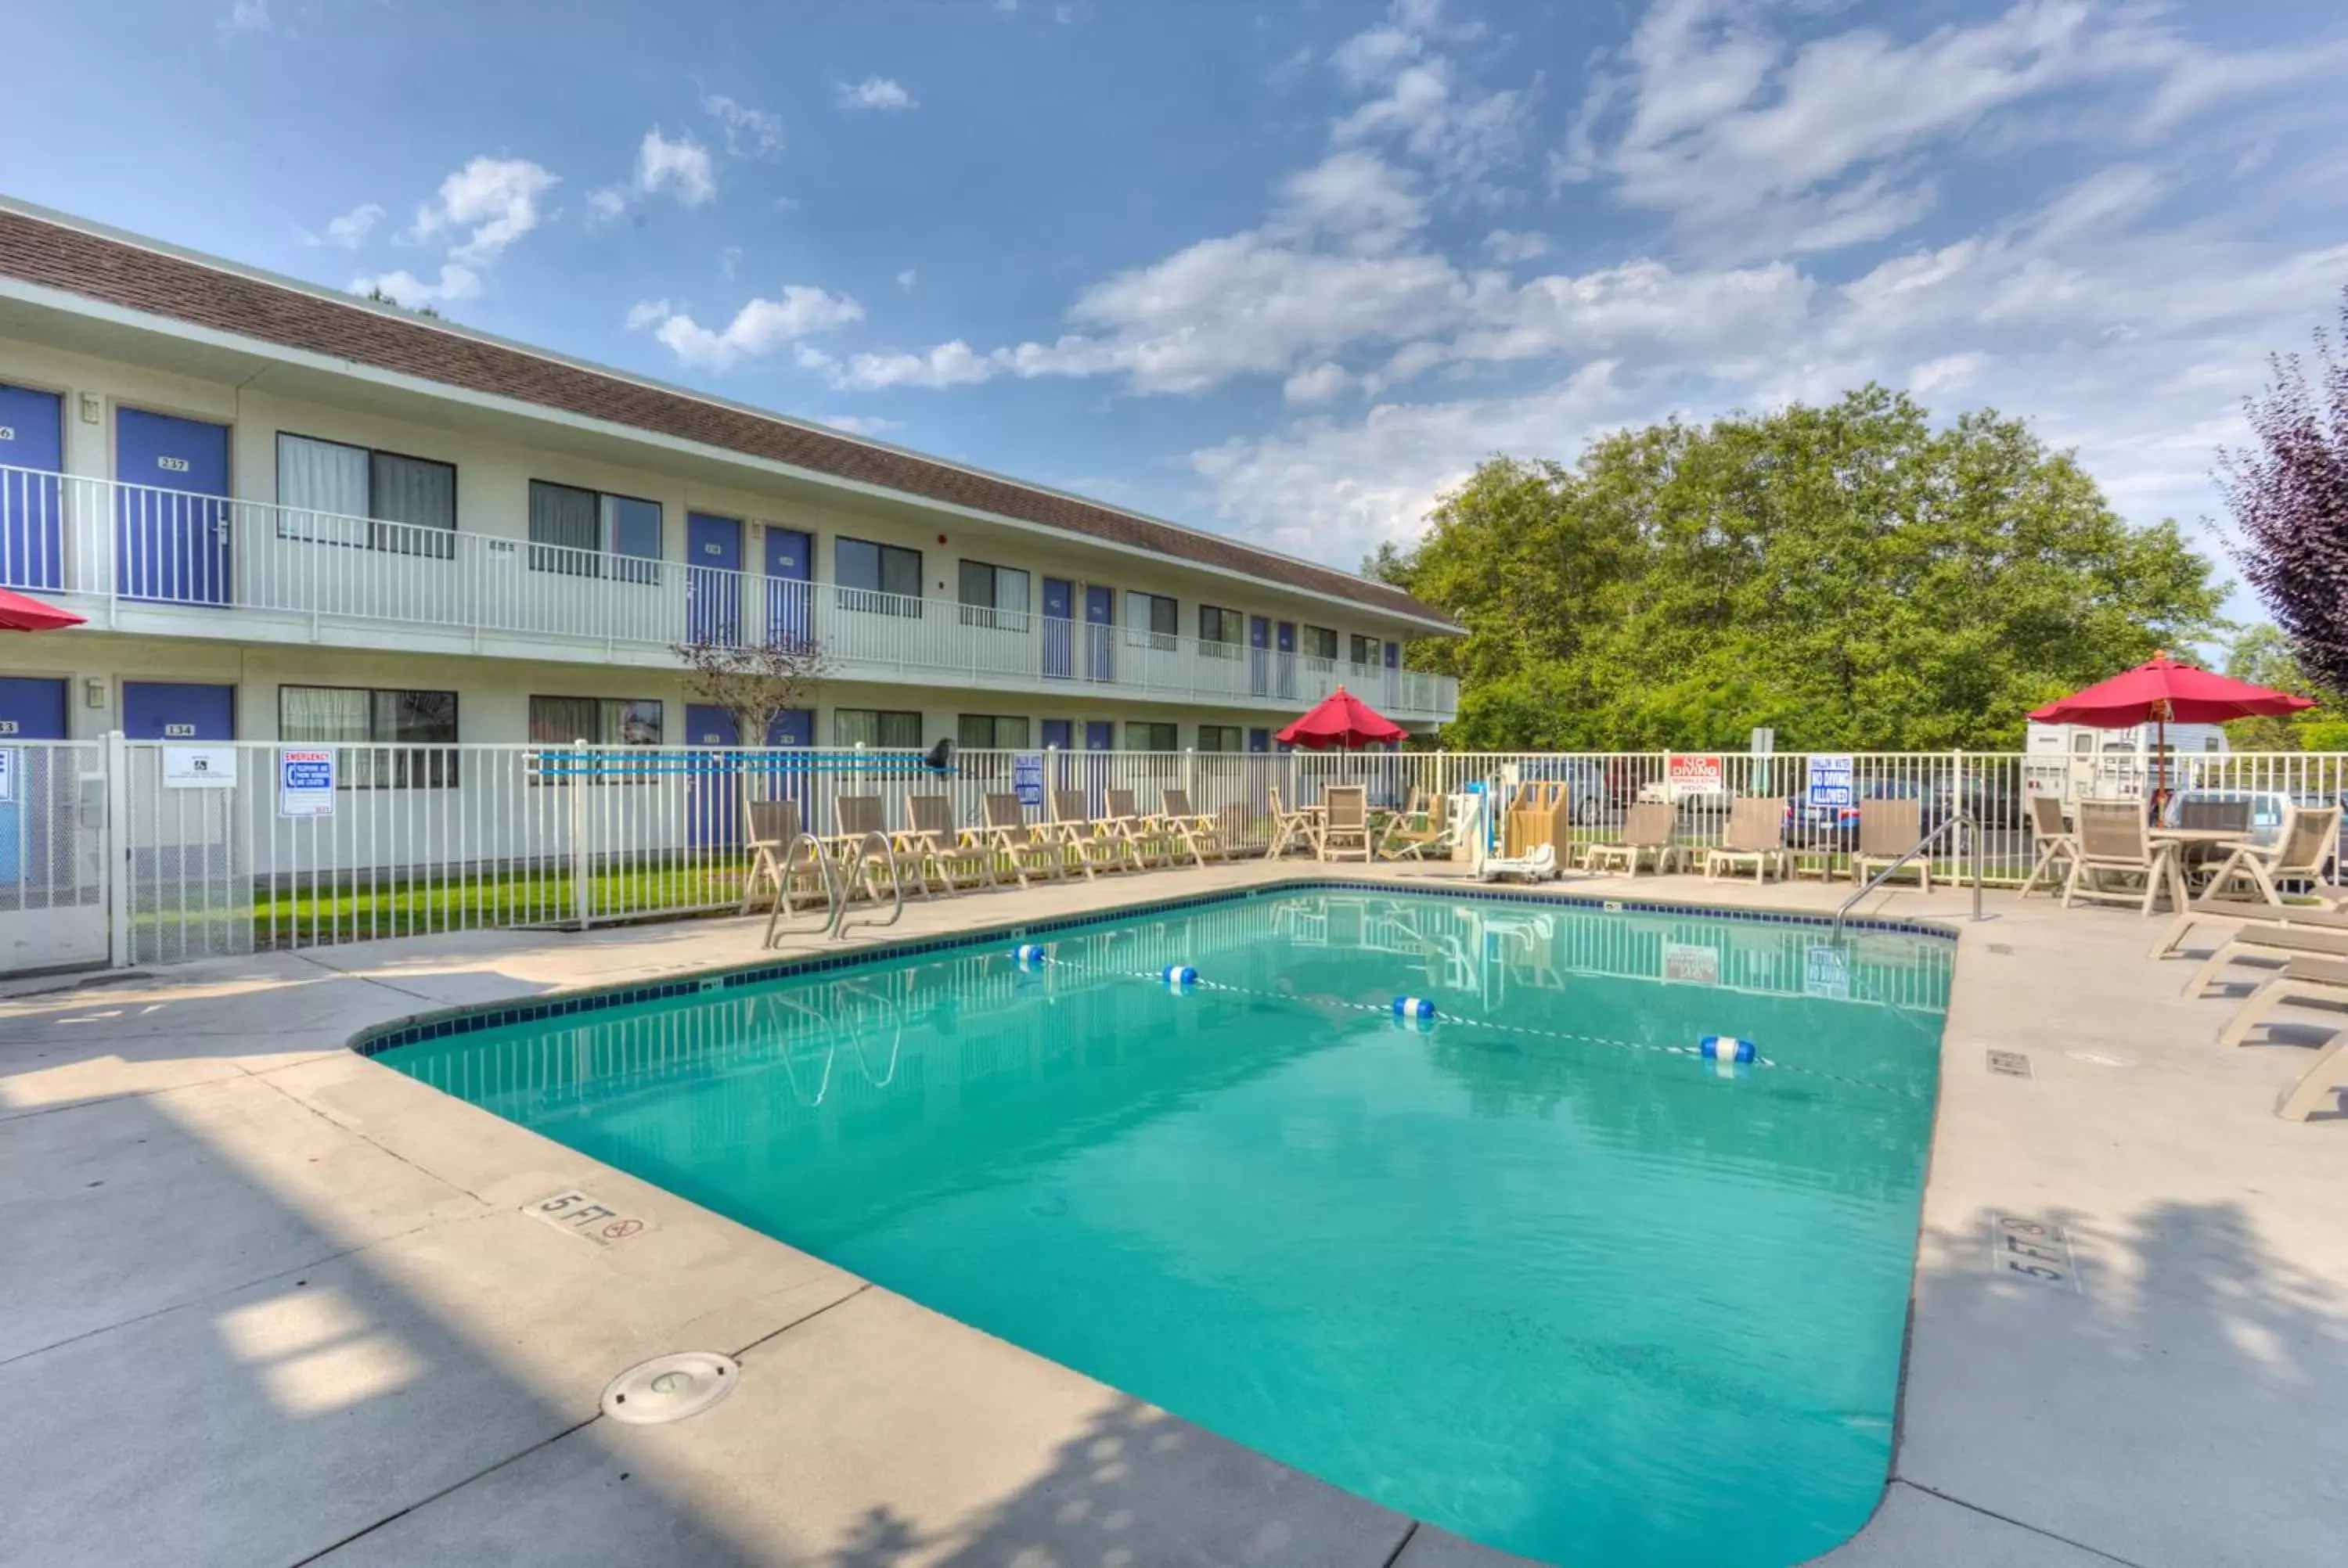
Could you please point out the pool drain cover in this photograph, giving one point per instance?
(671, 1387)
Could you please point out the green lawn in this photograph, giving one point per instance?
(358, 910)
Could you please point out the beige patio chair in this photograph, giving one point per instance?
(2241, 914)
(1090, 843)
(1889, 829)
(1293, 825)
(1756, 837)
(768, 828)
(2271, 943)
(1409, 837)
(2057, 847)
(2301, 853)
(1646, 836)
(938, 848)
(2115, 844)
(1014, 842)
(1345, 822)
(1152, 844)
(854, 816)
(2322, 982)
(1196, 831)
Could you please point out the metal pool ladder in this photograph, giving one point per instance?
(873, 849)
(805, 854)
(1973, 840)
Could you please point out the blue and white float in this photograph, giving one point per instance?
(1029, 956)
(1416, 1009)
(1179, 977)
(1726, 1047)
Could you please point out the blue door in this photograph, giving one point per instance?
(713, 579)
(1284, 667)
(1393, 674)
(789, 616)
(1057, 734)
(1259, 741)
(171, 518)
(1258, 655)
(1099, 734)
(1100, 618)
(1059, 630)
(32, 453)
(168, 711)
(713, 813)
(31, 709)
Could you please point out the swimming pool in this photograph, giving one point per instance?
(1535, 1272)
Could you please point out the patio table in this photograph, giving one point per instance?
(2194, 846)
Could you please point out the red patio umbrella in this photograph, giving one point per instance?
(18, 613)
(2162, 692)
(1341, 719)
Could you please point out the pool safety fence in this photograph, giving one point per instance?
(154, 852)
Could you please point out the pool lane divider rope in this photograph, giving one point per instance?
(1726, 1052)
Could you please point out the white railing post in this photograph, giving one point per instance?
(582, 904)
(114, 839)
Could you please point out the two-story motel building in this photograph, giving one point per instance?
(290, 515)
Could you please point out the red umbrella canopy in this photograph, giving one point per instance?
(2166, 692)
(18, 613)
(1341, 720)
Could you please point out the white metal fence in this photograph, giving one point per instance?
(158, 852)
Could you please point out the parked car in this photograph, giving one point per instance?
(1587, 792)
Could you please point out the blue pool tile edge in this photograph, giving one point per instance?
(439, 1025)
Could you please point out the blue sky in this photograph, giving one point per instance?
(1286, 270)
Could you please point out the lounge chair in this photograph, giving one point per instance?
(2320, 981)
(1646, 836)
(1152, 842)
(2301, 853)
(1091, 843)
(1536, 864)
(1345, 822)
(2275, 943)
(768, 828)
(937, 848)
(1756, 837)
(2057, 847)
(1013, 841)
(1406, 837)
(1293, 825)
(1889, 829)
(1196, 831)
(2114, 842)
(2238, 914)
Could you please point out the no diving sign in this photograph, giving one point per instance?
(305, 782)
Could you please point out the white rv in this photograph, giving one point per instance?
(2076, 763)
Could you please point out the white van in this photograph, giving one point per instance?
(2074, 763)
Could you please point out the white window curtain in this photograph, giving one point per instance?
(323, 484)
(324, 716)
(1011, 596)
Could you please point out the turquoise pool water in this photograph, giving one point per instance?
(1533, 1274)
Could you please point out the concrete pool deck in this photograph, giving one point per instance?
(267, 1301)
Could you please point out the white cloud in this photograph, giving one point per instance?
(455, 281)
(1318, 384)
(860, 423)
(875, 93)
(749, 133)
(1354, 196)
(759, 327)
(680, 167)
(1951, 372)
(349, 230)
(729, 259)
(247, 16)
(908, 278)
(948, 364)
(493, 200)
(1508, 246)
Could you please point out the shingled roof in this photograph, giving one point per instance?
(122, 272)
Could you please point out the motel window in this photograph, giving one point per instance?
(1321, 643)
(882, 578)
(598, 720)
(337, 494)
(993, 596)
(876, 727)
(1155, 620)
(991, 731)
(393, 736)
(1220, 631)
(575, 532)
(1141, 736)
(1221, 738)
(1365, 651)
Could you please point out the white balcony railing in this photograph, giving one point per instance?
(137, 546)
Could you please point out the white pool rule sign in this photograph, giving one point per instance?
(305, 782)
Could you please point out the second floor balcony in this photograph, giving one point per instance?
(141, 558)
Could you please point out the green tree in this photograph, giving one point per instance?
(1847, 575)
(2263, 654)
